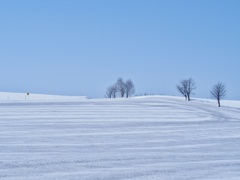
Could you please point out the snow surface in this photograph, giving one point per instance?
(8, 96)
(159, 137)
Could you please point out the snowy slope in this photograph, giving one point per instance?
(224, 103)
(138, 138)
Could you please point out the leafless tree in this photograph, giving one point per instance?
(111, 91)
(186, 88)
(130, 89)
(121, 86)
(190, 88)
(115, 90)
(219, 92)
(182, 88)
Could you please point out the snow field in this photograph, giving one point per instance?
(138, 138)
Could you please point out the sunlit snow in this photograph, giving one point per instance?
(158, 137)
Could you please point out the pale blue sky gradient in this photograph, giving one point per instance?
(74, 47)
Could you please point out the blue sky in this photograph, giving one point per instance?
(82, 46)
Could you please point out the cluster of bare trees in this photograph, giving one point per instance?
(121, 88)
(187, 86)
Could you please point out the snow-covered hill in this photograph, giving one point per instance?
(155, 137)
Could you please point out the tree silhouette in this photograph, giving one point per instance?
(219, 92)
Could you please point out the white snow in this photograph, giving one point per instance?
(9, 96)
(159, 137)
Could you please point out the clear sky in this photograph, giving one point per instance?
(74, 47)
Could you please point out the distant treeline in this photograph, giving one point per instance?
(186, 87)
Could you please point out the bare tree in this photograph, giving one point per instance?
(186, 88)
(111, 91)
(190, 88)
(114, 91)
(130, 89)
(121, 87)
(219, 92)
(182, 88)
